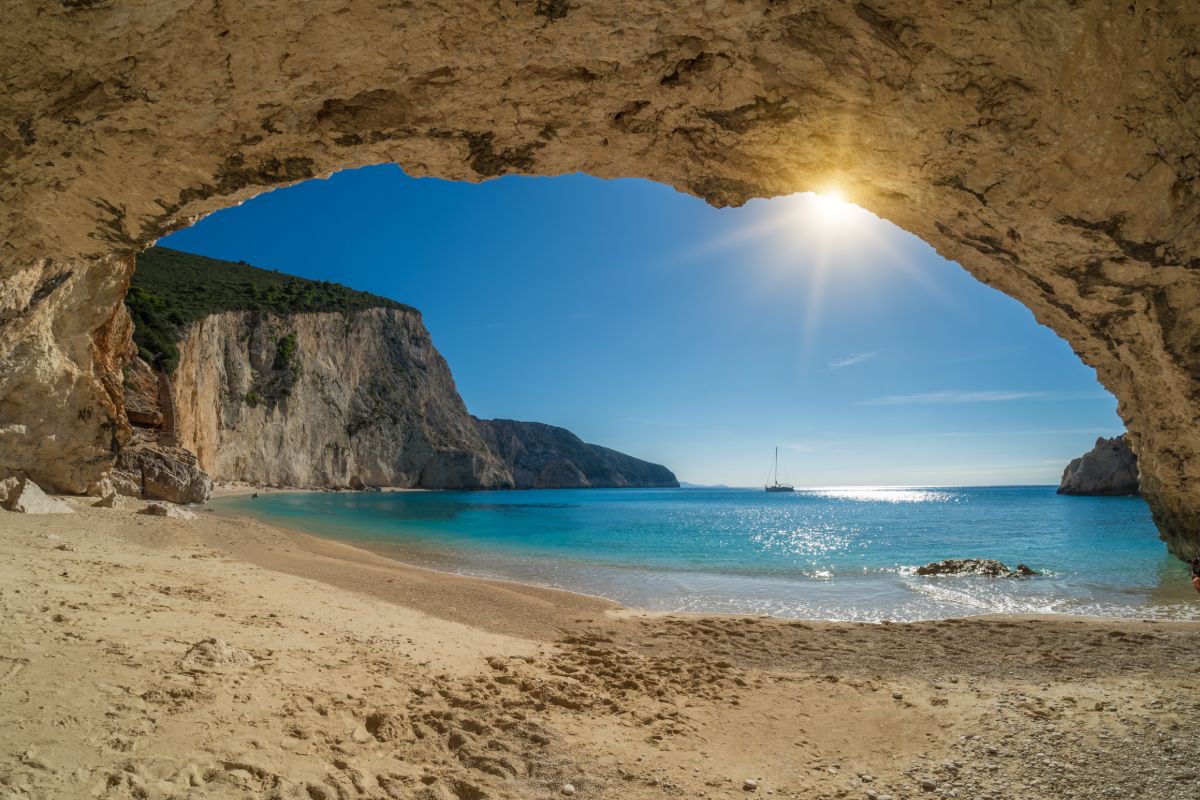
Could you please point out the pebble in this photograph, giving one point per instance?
(750, 785)
(568, 789)
(897, 695)
(928, 784)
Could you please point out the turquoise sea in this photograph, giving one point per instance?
(839, 554)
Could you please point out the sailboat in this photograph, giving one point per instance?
(775, 485)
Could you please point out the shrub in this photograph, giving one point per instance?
(285, 351)
(171, 289)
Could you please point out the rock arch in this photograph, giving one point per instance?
(1051, 149)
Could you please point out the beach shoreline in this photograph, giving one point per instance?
(491, 546)
(241, 488)
(223, 657)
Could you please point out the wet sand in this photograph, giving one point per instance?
(225, 658)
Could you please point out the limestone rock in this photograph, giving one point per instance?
(544, 456)
(559, 473)
(111, 500)
(1110, 468)
(362, 400)
(141, 395)
(1072, 190)
(166, 510)
(165, 473)
(125, 483)
(368, 402)
(26, 497)
(8, 486)
(975, 566)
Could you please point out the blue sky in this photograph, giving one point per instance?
(642, 319)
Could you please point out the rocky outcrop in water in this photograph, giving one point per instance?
(540, 456)
(986, 567)
(1109, 468)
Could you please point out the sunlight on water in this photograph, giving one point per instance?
(845, 553)
(887, 494)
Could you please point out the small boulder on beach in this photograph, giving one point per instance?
(26, 497)
(167, 510)
(111, 500)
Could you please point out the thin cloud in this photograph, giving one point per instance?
(1041, 432)
(851, 360)
(660, 423)
(949, 398)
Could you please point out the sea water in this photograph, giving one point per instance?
(837, 554)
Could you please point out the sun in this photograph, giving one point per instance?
(831, 208)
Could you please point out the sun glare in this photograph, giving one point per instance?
(831, 208)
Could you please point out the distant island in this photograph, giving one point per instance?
(250, 375)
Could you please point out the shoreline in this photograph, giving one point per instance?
(238, 488)
(396, 554)
(221, 657)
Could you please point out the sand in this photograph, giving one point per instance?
(143, 657)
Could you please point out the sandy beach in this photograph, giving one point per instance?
(143, 657)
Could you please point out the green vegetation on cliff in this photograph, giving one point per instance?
(171, 289)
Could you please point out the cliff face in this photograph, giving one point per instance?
(286, 381)
(1110, 468)
(542, 456)
(323, 399)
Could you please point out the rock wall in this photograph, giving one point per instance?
(1109, 468)
(543, 456)
(326, 400)
(1052, 149)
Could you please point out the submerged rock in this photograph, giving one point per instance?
(975, 566)
(1109, 469)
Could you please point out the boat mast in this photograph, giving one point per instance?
(776, 465)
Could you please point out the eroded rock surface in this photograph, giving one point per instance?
(1051, 149)
(166, 510)
(364, 395)
(164, 473)
(26, 497)
(1109, 468)
(986, 567)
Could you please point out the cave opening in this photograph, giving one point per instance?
(694, 336)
